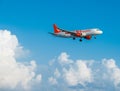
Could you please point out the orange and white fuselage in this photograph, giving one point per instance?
(87, 33)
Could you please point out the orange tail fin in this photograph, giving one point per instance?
(56, 30)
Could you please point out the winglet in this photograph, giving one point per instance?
(56, 30)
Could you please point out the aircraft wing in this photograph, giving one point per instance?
(72, 33)
(51, 33)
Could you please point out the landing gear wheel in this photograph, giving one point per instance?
(73, 38)
(80, 40)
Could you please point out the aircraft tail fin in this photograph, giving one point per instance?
(56, 29)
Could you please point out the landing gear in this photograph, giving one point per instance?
(73, 38)
(94, 37)
(80, 40)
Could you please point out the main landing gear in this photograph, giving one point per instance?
(73, 38)
(80, 40)
(94, 37)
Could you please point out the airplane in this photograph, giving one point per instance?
(86, 33)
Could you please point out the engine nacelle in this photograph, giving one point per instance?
(78, 33)
(88, 37)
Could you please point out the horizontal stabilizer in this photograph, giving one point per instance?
(51, 33)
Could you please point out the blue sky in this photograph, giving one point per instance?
(31, 20)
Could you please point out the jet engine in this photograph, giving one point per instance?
(78, 33)
(88, 37)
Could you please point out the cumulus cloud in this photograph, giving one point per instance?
(62, 73)
(113, 71)
(73, 72)
(52, 81)
(64, 58)
(78, 73)
(13, 73)
(57, 73)
(86, 75)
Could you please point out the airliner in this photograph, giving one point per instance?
(81, 34)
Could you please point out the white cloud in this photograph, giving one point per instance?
(21, 52)
(78, 73)
(113, 72)
(57, 73)
(63, 73)
(12, 72)
(63, 58)
(38, 78)
(109, 63)
(52, 80)
(86, 75)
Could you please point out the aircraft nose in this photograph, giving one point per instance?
(101, 32)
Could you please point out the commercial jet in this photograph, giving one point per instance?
(86, 33)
